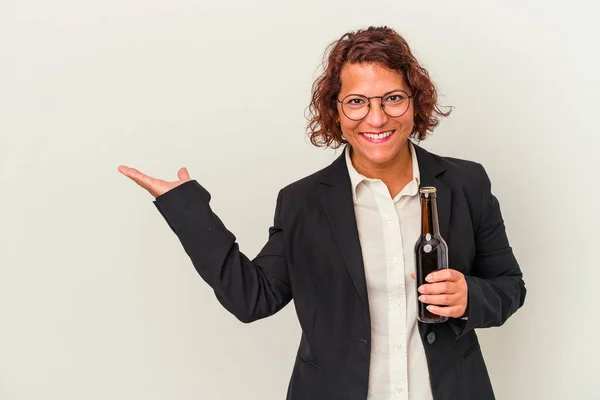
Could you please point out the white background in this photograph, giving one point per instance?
(98, 299)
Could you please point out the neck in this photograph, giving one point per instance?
(395, 174)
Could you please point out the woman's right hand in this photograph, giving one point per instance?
(154, 186)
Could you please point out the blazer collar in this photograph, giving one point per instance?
(337, 172)
(339, 208)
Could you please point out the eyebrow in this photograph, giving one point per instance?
(383, 95)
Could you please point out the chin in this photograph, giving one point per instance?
(385, 150)
(382, 159)
(382, 156)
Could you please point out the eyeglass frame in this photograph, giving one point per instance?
(380, 105)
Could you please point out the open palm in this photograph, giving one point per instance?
(154, 186)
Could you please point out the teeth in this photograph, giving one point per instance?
(378, 136)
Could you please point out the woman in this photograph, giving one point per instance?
(342, 242)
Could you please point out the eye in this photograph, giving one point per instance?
(355, 101)
(395, 98)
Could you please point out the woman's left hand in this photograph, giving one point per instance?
(446, 288)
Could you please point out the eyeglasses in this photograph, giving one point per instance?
(357, 106)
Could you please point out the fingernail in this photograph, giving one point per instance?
(428, 278)
(428, 307)
(421, 298)
(420, 289)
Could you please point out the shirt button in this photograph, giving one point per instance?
(398, 347)
(431, 337)
(390, 221)
(398, 302)
(395, 260)
(399, 389)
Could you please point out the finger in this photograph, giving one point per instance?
(438, 288)
(439, 299)
(183, 174)
(446, 274)
(141, 179)
(452, 311)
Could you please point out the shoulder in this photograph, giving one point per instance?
(308, 191)
(459, 172)
(469, 183)
(335, 173)
(307, 184)
(458, 167)
(296, 194)
(467, 179)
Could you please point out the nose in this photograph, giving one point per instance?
(376, 117)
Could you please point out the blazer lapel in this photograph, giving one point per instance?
(339, 209)
(430, 170)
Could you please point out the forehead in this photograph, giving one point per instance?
(370, 79)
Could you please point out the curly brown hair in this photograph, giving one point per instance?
(372, 45)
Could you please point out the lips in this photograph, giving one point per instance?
(377, 137)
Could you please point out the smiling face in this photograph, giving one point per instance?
(378, 141)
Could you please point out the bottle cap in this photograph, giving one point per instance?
(427, 189)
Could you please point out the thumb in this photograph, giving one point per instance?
(183, 174)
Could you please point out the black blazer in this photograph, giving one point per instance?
(313, 255)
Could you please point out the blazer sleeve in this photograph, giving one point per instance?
(495, 286)
(249, 289)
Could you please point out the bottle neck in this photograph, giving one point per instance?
(429, 217)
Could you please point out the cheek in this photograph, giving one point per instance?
(406, 122)
(349, 127)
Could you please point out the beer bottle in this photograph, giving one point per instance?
(431, 250)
